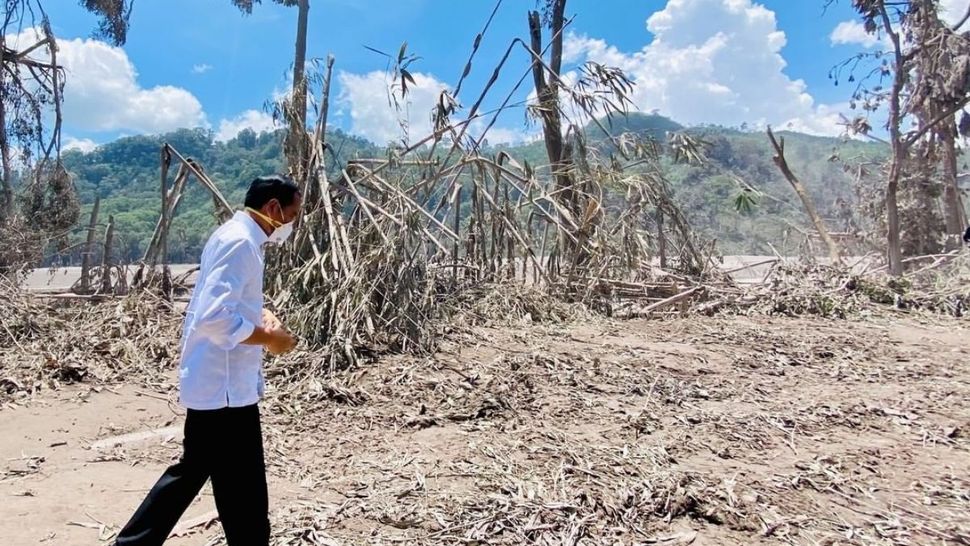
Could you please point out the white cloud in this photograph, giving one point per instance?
(853, 33)
(250, 119)
(827, 120)
(373, 116)
(713, 61)
(201, 68)
(364, 97)
(102, 93)
(953, 10)
(502, 135)
(84, 145)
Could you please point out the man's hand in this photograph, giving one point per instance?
(272, 335)
(280, 341)
(270, 322)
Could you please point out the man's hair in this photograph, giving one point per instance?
(266, 188)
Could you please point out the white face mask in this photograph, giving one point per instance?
(281, 234)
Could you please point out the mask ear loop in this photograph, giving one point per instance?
(282, 213)
(271, 221)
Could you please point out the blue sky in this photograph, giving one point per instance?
(205, 63)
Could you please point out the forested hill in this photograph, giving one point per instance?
(125, 174)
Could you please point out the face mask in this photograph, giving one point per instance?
(281, 232)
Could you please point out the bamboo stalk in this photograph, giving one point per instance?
(106, 261)
(89, 247)
(515, 232)
(672, 300)
(457, 224)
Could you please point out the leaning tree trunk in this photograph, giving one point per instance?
(296, 141)
(806, 199)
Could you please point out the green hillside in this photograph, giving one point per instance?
(125, 174)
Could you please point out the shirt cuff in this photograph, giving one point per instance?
(237, 336)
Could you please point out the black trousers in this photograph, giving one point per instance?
(226, 446)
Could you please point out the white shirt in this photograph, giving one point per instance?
(217, 370)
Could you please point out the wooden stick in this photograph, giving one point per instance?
(515, 232)
(415, 205)
(363, 202)
(89, 247)
(106, 258)
(672, 300)
(749, 266)
(220, 201)
(457, 224)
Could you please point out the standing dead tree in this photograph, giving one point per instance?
(807, 202)
(928, 65)
(547, 105)
(293, 109)
(171, 196)
(31, 91)
(939, 90)
(391, 244)
(31, 85)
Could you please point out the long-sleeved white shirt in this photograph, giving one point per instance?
(216, 369)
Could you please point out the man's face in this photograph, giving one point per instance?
(284, 215)
(291, 212)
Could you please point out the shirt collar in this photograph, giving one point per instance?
(258, 235)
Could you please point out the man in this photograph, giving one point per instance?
(221, 378)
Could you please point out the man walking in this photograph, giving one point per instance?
(221, 379)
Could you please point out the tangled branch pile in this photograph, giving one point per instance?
(390, 246)
(43, 345)
(941, 287)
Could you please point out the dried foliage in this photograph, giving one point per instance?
(20, 249)
(921, 79)
(47, 344)
(49, 201)
(387, 249)
(938, 285)
(113, 18)
(246, 6)
(674, 432)
(47, 212)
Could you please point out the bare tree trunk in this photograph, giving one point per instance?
(894, 250)
(806, 199)
(106, 261)
(296, 145)
(86, 260)
(547, 92)
(454, 251)
(165, 162)
(952, 202)
(6, 199)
